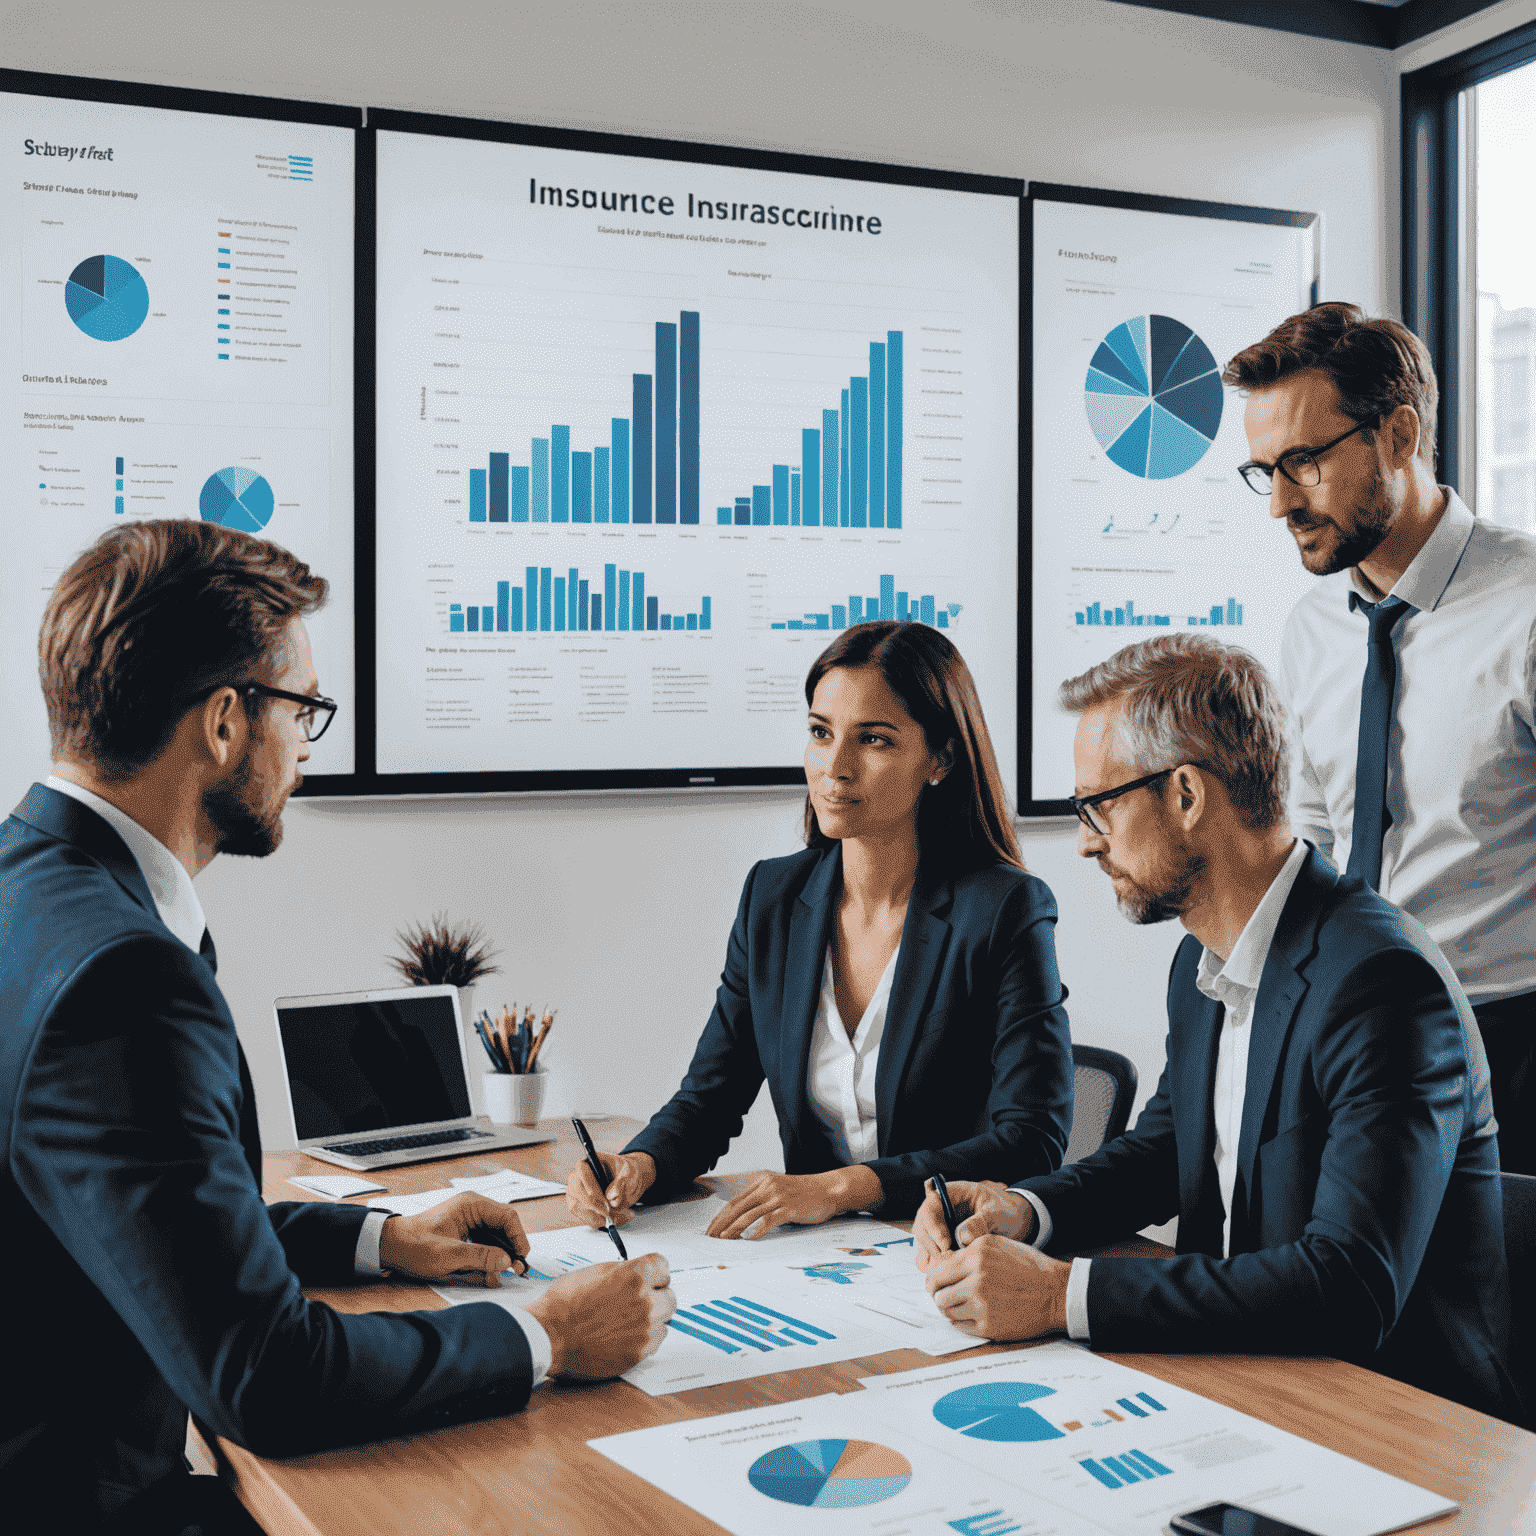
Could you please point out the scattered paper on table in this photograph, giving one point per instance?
(335, 1186)
(507, 1185)
(414, 1205)
(1105, 1443)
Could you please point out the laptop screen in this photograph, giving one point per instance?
(372, 1066)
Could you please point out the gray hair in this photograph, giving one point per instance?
(1189, 698)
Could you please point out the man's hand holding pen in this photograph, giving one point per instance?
(995, 1286)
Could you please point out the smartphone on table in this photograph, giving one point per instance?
(1233, 1520)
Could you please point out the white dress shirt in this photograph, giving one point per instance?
(1460, 854)
(170, 887)
(842, 1071)
(1234, 983)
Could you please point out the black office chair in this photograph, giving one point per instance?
(1520, 1258)
(1103, 1085)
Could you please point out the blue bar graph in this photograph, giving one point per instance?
(1124, 615)
(1124, 1470)
(890, 604)
(560, 603)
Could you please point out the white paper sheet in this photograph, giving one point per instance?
(507, 1186)
(335, 1186)
(1102, 1442)
(820, 1465)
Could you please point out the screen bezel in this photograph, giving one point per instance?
(368, 782)
(1050, 192)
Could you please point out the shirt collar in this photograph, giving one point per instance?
(166, 876)
(1429, 573)
(1244, 967)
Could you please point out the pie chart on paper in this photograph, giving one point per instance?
(830, 1474)
(1153, 395)
(997, 1410)
(106, 298)
(237, 498)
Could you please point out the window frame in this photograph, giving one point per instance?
(1439, 233)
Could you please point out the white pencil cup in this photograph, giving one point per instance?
(514, 1098)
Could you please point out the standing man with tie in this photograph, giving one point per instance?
(1410, 671)
(182, 699)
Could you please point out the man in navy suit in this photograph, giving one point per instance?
(1323, 1128)
(145, 1275)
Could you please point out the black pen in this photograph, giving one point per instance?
(595, 1164)
(941, 1189)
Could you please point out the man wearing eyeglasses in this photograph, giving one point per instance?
(182, 698)
(1410, 670)
(1322, 1129)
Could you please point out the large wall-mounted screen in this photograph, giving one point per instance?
(1139, 521)
(656, 422)
(177, 272)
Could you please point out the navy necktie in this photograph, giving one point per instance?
(1376, 693)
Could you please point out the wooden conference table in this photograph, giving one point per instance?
(533, 1472)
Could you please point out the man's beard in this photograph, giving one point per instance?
(243, 825)
(1168, 891)
(1372, 523)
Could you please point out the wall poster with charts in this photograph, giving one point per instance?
(177, 272)
(1139, 519)
(655, 422)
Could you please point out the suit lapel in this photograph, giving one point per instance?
(924, 938)
(60, 816)
(1282, 986)
(810, 927)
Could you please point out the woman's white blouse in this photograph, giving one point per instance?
(842, 1071)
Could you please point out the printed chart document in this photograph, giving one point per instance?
(1122, 1451)
(821, 1465)
(799, 1296)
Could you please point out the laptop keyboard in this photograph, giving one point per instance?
(397, 1143)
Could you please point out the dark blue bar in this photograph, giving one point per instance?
(620, 469)
(517, 610)
(666, 620)
(666, 422)
(624, 601)
(498, 488)
(1151, 1402)
(705, 1321)
(672, 1322)
(597, 609)
(640, 449)
(1127, 1471)
(531, 613)
(583, 606)
(541, 479)
(829, 475)
(652, 617)
(600, 485)
(743, 511)
(1107, 1478)
(1131, 1407)
(636, 601)
(473, 615)
(810, 477)
(688, 417)
(842, 489)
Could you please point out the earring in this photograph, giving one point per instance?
(933, 781)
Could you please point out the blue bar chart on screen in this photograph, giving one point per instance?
(652, 430)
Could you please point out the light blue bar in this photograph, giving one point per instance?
(893, 429)
(517, 610)
(839, 616)
(611, 597)
(902, 611)
(723, 516)
(1141, 1460)
(531, 607)
(477, 495)
(794, 501)
(925, 610)
(559, 474)
(1095, 1470)
(1128, 1471)
(1151, 1402)
(762, 509)
(829, 474)
(781, 495)
(877, 434)
(1125, 1402)
(559, 604)
(624, 585)
(695, 1333)
(703, 613)
(488, 618)
(666, 621)
(621, 469)
(581, 487)
(541, 479)
(794, 1322)
(693, 621)
(473, 616)
(842, 489)
(738, 1319)
(858, 450)
(456, 623)
(855, 609)
(546, 601)
(600, 485)
(572, 591)
(705, 1321)
(640, 615)
(887, 597)
(503, 606)
(519, 493)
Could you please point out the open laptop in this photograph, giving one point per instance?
(380, 1078)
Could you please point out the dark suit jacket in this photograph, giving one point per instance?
(1366, 1217)
(143, 1275)
(974, 1078)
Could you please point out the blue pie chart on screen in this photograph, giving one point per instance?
(106, 298)
(236, 498)
(998, 1410)
(1154, 397)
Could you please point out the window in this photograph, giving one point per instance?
(1469, 234)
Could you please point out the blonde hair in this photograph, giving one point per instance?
(1192, 699)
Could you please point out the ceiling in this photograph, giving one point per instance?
(1375, 23)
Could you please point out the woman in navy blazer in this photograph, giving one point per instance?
(895, 983)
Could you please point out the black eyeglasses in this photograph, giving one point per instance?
(316, 709)
(1083, 804)
(1300, 466)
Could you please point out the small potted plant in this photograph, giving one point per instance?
(437, 954)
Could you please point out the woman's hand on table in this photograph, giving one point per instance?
(629, 1175)
(802, 1199)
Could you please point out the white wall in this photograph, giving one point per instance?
(617, 909)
